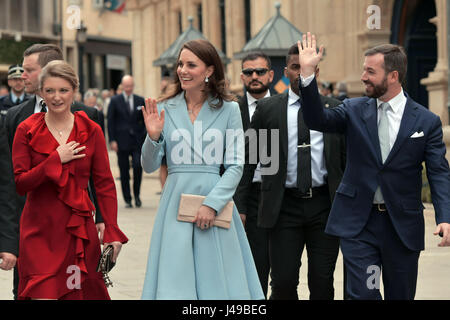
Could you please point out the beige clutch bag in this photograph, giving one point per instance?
(190, 203)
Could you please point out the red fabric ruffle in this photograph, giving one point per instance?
(73, 193)
(68, 191)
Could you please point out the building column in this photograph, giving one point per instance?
(235, 16)
(437, 80)
(144, 47)
(446, 26)
(212, 22)
(137, 51)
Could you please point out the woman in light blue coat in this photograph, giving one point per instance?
(198, 128)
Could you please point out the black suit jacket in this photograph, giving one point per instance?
(125, 127)
(13, 118)
(271, 114)
(245, 116)
(6, 101)
(9, 226)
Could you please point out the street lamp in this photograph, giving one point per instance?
(81, 39)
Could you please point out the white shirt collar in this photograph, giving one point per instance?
(396, 102)
(14, 98)
(37, 106)
(38, 100)
(127, 97)
(293, 97)
(251, 100)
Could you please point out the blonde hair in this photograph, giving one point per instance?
(59, 69)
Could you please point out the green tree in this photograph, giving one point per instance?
(11, 52)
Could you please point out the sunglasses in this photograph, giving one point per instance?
(259, 71)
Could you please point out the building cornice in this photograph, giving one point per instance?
(135, 5)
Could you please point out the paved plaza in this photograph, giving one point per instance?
(137, 223)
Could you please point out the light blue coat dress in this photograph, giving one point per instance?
(186, 262)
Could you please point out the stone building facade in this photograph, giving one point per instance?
(101, 58)
(345, 27)
(115, 44)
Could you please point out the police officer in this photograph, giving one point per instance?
(17, 94)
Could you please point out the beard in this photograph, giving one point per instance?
(378, 90)
(261, 89)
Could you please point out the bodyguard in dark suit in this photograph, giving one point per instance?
(256, 76)
(9, 241)
(127, 132)
(36, 57)
(377, 211)
(296, 192)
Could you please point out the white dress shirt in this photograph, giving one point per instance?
(37, 106)
(318, 169)
(251, 110)
(14, 98)
(394, 115)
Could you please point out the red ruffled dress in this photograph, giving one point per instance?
(59, 247)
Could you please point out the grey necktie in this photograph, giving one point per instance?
(129, 104)
(383, 135)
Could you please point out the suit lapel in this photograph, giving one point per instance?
(208, 115)
(175, 110)
(125, 105)
(28, 109)
(369, 115)
(326, 136)
(243, 105)
(406, 125)
(282, 111)
(135, 104)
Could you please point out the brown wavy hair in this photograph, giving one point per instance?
(217, 86)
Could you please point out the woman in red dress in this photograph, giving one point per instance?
(54, 155)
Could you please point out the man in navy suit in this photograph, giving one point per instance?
(377, 211)
(126, 131)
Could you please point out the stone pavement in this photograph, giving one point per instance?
(137, 223)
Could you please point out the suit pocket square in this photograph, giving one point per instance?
(417, 134)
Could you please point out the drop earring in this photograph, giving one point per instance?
(206, 79)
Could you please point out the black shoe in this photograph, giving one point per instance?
(128, 204)
(138, 203)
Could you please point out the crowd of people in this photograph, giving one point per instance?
(329, 172)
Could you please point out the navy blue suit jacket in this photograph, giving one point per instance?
(125, 127)
(400, 177)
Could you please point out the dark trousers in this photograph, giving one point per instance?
(16, 282)
(378, 248)
(258, 238)
(124, 166)
(302, 223)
